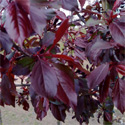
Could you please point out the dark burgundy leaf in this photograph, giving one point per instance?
(117, 4)
(20, 70)
(43, 79)
(119, 95)
(95, 48)
(48, 38)
(59, 112)
(7, 92)
(97, 75)
(17, 23)
(82, 2)
(69, 4)
(40, 104)
(24, 3)
(117, 30)
(38, 19)
(66, 90)
(104, 89)
(4, 62)
(6, 42)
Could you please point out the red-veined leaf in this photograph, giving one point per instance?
(43, 79)
(61, 15)
(119, 95)
(97, 75)
(24, 3)
(17, 23)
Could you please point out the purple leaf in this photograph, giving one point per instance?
(80, 42)
(43, 79)
(80, 54)
(58, 112)
(104, 89)
(66, 90)
(97, 75)
(38, 19)
(48, 38)
(117, 30)
(6, 42)
(119, 95)
(17, 23)
(7, 90)
(95, 48)
(69, 4)
(40, 104)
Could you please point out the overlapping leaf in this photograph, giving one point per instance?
(17, 23)
(117, 30)
(44, 80)
(119, 95)
(38, 19)
(59, 111)
(69, 4)
(6, 42)
(7, 90)
(40, 104)
(66, 91)
(97, 75)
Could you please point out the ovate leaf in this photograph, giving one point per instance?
(97, 75)
(82, 2)
(43, 79)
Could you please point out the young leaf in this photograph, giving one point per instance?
(43, 79)
(119, 95)
(17, 23)
(97, 75)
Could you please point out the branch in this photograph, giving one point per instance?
(82, 19)
(22, 85)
